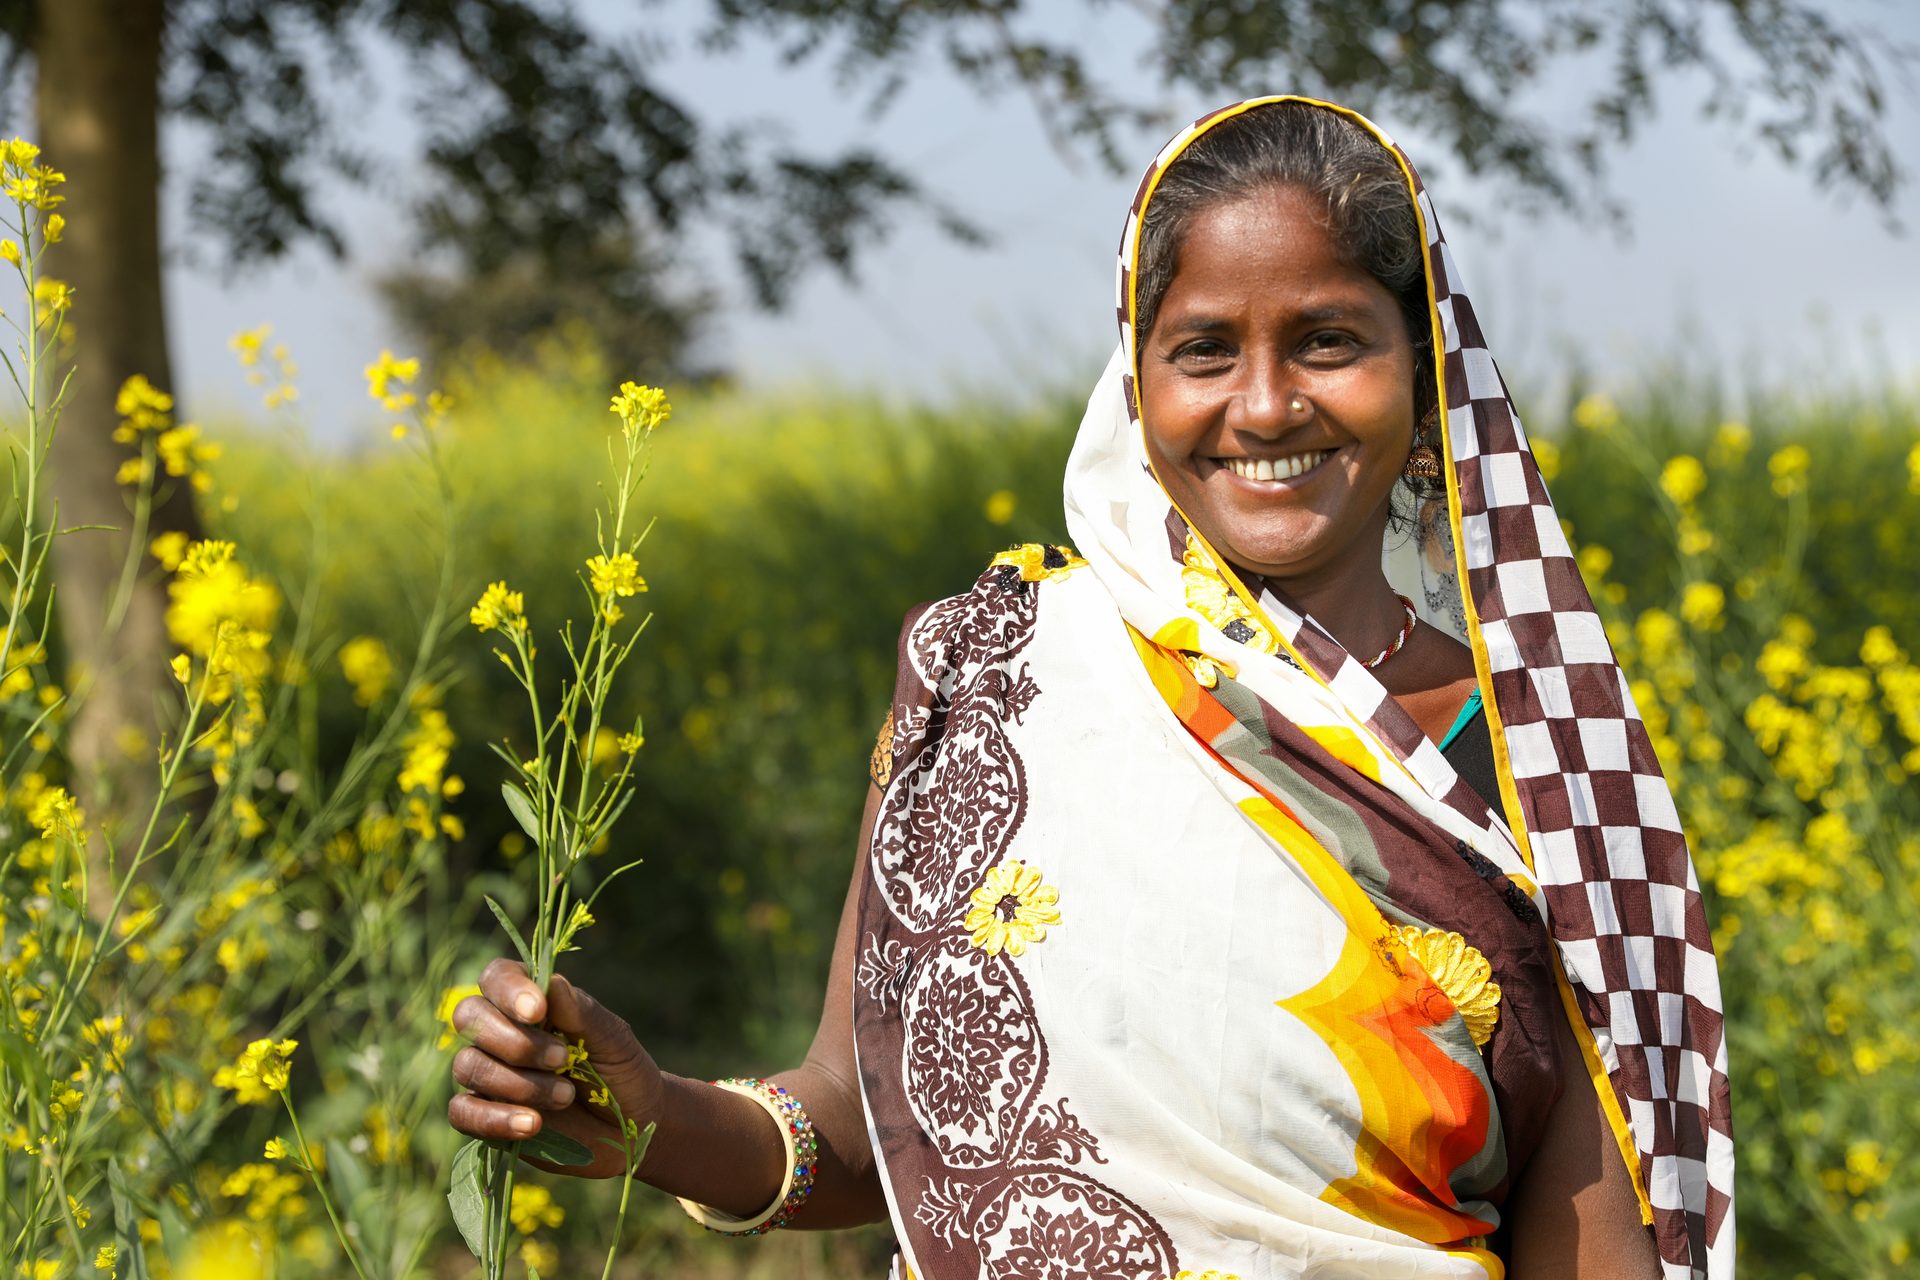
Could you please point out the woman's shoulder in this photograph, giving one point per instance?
(993, 615)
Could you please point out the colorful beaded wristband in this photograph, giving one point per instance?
(803, 1149)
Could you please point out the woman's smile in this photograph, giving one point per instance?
(1273, 475)
(1276, 392)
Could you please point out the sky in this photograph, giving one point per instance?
(1733, 263)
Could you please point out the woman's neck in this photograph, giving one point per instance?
(1354, 603)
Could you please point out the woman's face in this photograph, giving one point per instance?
(1276, 388)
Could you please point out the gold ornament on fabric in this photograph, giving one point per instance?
(1463, 975)
(1038, 560)
(1210, 595)
(880, 763)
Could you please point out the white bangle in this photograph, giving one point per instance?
(802, 1148)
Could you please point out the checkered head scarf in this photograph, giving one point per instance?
(1586, 810)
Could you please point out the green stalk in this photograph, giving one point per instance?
(320, 1186)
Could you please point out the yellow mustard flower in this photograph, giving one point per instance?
(449, 1001)
(51, 298)
(247, 344)
(618, 575)
(387, 1142)
(428, 745)
(387, 370)
(58, 816)
(1730, 443)
(1703, 606)
(538, 1255)
(1789, 467)
(1683, 478)
(261, 1071)
(170, 549)
(276, 1149)
(1546, 456)
(499, 609)
(640, 408)
(1596, 413)
(1012, 907)
(247, 818)
(142, 408)
(368, 667)
(107, 1259)
(532, 1208)
(630, 743)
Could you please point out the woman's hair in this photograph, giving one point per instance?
(1309, 149)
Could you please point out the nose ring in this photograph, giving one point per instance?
(1296, 406)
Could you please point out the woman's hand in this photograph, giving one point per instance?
(512, 1067)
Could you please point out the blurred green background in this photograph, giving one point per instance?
(793, 532)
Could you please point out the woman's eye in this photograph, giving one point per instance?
(1331, 343)
(1202, 352)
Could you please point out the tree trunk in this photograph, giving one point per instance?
(97, 83)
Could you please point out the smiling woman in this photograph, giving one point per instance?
(1186, 937)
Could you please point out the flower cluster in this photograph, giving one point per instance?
(499, 609)
(262, 1070)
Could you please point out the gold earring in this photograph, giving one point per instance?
(1423, 463)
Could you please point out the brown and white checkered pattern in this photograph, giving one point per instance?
(1599, 819)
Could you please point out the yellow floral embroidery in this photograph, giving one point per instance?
(1011, 908)
(1461, 973)
(1037, 560)
(1203, 1275)
(1209, 595)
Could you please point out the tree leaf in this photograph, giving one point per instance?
(521, 806)
(467, 1197)
(555, 1148)
(519, 944)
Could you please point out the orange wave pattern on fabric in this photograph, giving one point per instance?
(1423, 1115)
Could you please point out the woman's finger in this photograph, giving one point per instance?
(486, 1028)
(505, 982)
(478, 1117)
(496, 1080)
(608, 1038)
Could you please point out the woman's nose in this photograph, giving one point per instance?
(1264, 401)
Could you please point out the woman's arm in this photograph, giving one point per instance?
(846, 1190)
(1574, 1212)
(709, 1145)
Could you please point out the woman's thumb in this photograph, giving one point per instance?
(581, 1018)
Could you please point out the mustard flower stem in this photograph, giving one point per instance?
(320, 1186)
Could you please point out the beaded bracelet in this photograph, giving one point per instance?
(802, 1150)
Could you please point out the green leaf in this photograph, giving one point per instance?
(23, 1058)
(555, 1148)
(519, 944)
(521, 806)
(467, 1196)
(126, 1225)
(348, 1175)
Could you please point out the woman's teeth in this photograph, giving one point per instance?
(1276, 468)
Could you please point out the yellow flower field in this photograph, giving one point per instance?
(223, 1024)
